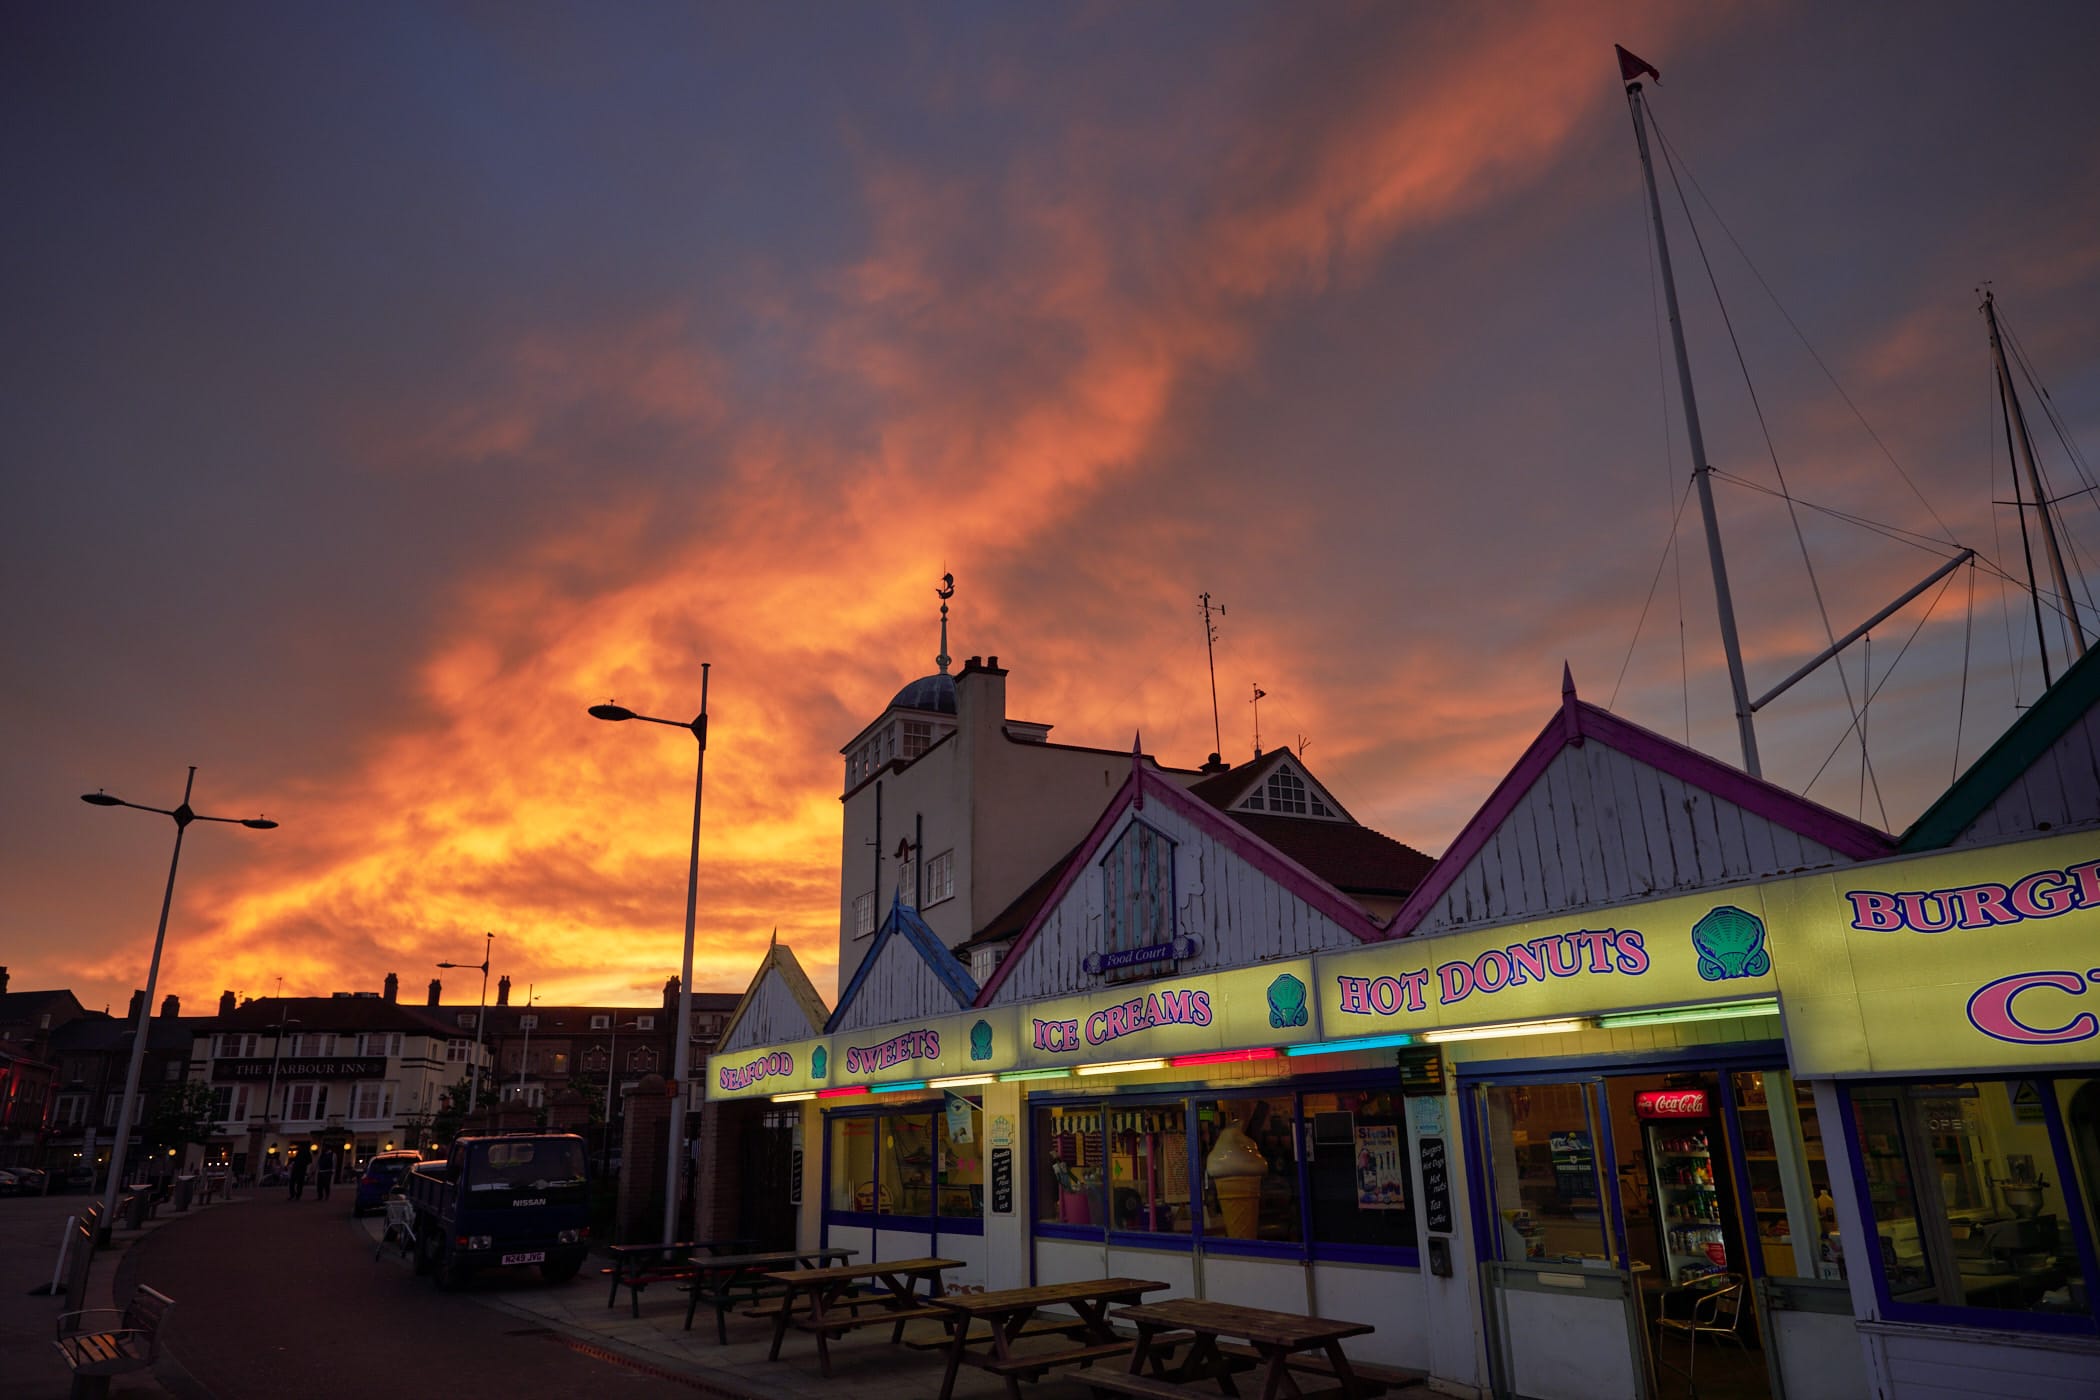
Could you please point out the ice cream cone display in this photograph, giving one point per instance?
(1235, 1167)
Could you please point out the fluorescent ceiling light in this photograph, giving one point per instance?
(1512, 1028)
(1015, 1075)
(1122, 1067)
(902, 1087)
(1336, 1047)
(1709, 1011)
(1224, 1057)
(842, 1091)
(795, 1098)
(957, 1081)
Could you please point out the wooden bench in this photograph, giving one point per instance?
(1314, 1364)
(132, 1345)
(726, 1280)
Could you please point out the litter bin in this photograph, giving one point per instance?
(135, 1207)
(185, 1187)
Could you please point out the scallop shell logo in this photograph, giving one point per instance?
(1286, 1002)
(981, 1041)
(1731, 944)
(817, 1061)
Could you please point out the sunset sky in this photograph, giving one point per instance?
(384, 385)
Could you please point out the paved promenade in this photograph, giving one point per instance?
(274, 1297)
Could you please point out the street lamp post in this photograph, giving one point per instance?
(612, 1068)
(183, 816)
(682, 1053)
(481, 1015)
(270, 1121)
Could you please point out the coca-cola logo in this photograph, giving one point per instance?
(1672, 1103)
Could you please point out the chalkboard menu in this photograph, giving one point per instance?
(1436, 1186)
(1421, 1070)
(1002, 1181)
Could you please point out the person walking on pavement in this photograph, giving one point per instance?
(298, 1177)
(324, 1173)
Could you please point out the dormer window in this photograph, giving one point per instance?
(1288, 794)
(918, 737)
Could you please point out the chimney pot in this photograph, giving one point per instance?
(991, 663)
(170, 1007)
(3, 980)
(503, 990)
(393, 987)
(226, 1003)
(138, 1000)
(435, 987)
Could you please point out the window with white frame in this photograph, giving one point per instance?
(70, 1111)
(228, 1046)
(645, 1023)
(940, 877)
(642, 1060)
(528, 1023)
(456, 1051)
(372, 1099)
(307, 1103)
(467, 1019)
(863, 915)
(229, 1103)
(379, 1044)
(599, 1023)
(918, 737)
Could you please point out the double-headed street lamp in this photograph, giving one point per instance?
(682, 1053)
(612, 1068)
(183, 816)
(482, 1014)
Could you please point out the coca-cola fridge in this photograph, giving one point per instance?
(1687, 1162)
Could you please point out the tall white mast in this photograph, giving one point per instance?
(2018, 417)
(1702, 470)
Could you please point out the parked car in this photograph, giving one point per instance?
(29, 1181)
(382, 1173)
(75, 1179)
(8, 1185)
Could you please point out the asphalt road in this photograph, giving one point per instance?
(276, 1298)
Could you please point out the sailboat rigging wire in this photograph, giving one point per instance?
(1874, 690)
(1764, 429)
(2034, 590)
(2049, 497)
(2005, 622)
(1961, 710)
(1668, 545)
(1799, 335)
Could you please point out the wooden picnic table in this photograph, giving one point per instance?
(1275, 1339)
(831, 1312)
(728, 1279)
(1009, 1313)
(636, 1266)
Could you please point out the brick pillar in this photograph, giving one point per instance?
(639, 1215)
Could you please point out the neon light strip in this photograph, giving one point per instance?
(1363, 1042)
(795, 1098)
(1224, 1057)
(1121, 1067)
(1014, 1076)
(842, 1091)
(1513, 1028)
(1710, 1011)
(957, 1081)
(905, 1087)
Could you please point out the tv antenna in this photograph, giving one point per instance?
(1210, 641)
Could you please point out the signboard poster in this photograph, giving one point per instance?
(1436, 1186)
(1381, 1170)
(959, 1111)
(1574, 1166)
(1002, 1181)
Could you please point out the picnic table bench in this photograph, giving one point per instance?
(95, 1353)
(1010, 1313)
(726, 1280)
(1273, 1344)
(832, 1311)
(636, 1266)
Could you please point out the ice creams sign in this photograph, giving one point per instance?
(1169, 1006)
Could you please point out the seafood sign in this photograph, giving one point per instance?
(767, 1066)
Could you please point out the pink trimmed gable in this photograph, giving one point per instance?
(1145, 784)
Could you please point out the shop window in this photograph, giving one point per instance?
(1148, 1169)
(853, 1163)
(1071, 1177)
(1250, 1169)
(904, 1163)
(1542, 1161)
(960, 1134)
(1968, 1196)
(1356, 1177)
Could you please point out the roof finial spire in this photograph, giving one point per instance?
(944, 592)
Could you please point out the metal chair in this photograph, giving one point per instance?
(1716, 1312)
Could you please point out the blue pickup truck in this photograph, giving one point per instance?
(502, 1200)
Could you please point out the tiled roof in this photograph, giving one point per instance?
(323, 1014)
(1354, 859)
(1014, 917)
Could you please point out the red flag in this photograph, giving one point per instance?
(1631, 67)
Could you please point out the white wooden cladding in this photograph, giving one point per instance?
(899, 987)
(775, 1016)
(1240, 914)
(2059, 790)
(1600, 828)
